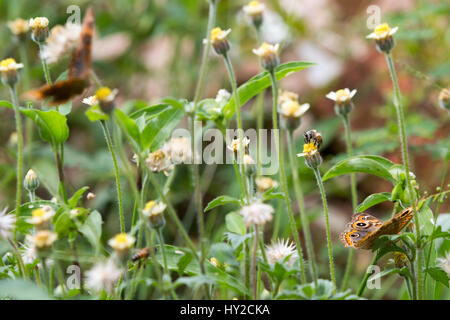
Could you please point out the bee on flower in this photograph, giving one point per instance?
(343, 100)
(8, 69)
(313, 141)
(383, 37)
(39, 29)
(255, 10)
(268, 54)
(219, 41)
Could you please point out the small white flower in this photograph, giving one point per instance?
(279, 250)
(62, 40)
(159, 161)
(178, 150)
(266, 49)
(42, 239)
(153, 208)
(382, 31)
(18, 26)
(41, 215)
(223, 96)
(7, 223)
(122, 242)
(38, 23)
(10, 64)
(342, 95)
(29, 253)
(90, 101)
(218, 34)
(234, 145)
(257, 213)
(292, 109)
(103, 276)
(254, 8)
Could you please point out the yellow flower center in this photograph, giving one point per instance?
(267, 49)
(7, 63)
(39, 22)
(382, 29)
(103, 93)
(121, 238)
(38, 212)
(309, 148)
(214, 262)
(253, 4)
(158, 155)
(291, 107)
(217, 34)
(150, 205)
(342, 95)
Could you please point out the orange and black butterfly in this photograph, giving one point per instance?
(80, 65)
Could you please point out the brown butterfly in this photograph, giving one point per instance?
(80, 65)
(364, 228)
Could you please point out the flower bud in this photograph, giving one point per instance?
(8, 69)
(31, 182)
(269, 56)
(39, 29)
(219, 40)
(383, 37)
(254, 11)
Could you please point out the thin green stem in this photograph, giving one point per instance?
(19, 179)
(116, 172)
(354, 194)
(301, 204)
(19, 258)
(259, 111)
(279, 142)
(255, 252)
(163, 252)
(404, 147)
(47, 76)
(327, 223)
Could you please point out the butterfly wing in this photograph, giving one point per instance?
(360, 231)
(397, 223)
(60, 91)
(80, 63)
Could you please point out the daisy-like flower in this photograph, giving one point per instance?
(103, 276)
(286, 96)
(178, 150)
(104, 96)
(42, 240)
(219, 41)
(222, 96)
(269, 55)
(277, 251)
(235, 145)
(62, 40)
(159, 161)
(8, 69)
(290, 110)
(313, 140)
(41, 216)
(90, 101)
(254, 10)
(444, 99)
(153, 211)
(265, 183)
(19, 27)
(31, 181)
(39, 29)
(257, 213)
(343, 100)
(122, 242)
(383, 37)
(7, 223)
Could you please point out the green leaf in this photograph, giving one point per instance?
(95, 113)
(363, 164)
(159, 129)
(21, 290)
(6, 104)
(129, 126)
(52, 125)
(402, 271)
(150, 111)
(184, 262)
(220, 201)
(64, 224)
(92, 228)
(372, 200)
(439, 275)
(235, 223)
(426, 220)
(73, 201)
(260, 82)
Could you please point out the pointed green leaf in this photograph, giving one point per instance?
(235, 223)
(372, 200)
(52, 125)
(94, 113)
(220, 201)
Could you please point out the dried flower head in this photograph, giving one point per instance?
(122, 242)
(39, 29)
(19, 27)
(42, 239)
(257, 213)
(7, 224)
(41, 217)
(254, 10)
(159, 161)
(103, 276)
(343, 100)
(179, 150)
(219, 41)
(383, 37)
(62, 41)
(265, 183)
(269, 55)
(279, 250)
(153, 211)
